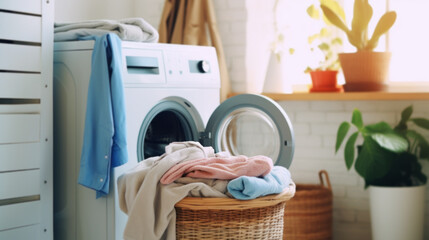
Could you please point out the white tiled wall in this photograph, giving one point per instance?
(231, 16)
(315, 124)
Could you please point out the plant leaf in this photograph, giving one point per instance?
(405, 116)
(323, 46)
(391, 141)
(406, 113)
(373, 162)
(336, 8)
(383, 25)
(421, 177)
(423, 143)
(349, 150)
(421, 122)
(362, 14)
(341, 134)
(357, 119)
(312, 38)
(380, 127)
(313, 12)
(333, 18)
(337, 40)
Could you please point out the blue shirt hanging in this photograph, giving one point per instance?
(104, 142)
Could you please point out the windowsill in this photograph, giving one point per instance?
(396, 91)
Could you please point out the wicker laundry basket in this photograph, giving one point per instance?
(225, 218)
(309, 214)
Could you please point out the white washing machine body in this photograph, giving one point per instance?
(171, 94)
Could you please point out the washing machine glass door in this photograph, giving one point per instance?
(251, 125)
(173, 119)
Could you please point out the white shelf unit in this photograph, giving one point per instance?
(26, 139)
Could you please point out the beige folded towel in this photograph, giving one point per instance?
(131, 29)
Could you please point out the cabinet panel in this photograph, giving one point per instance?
(24, 28)
(20, 58)
(22, 233)
(20, 156)
(20, 85)
(16, 128)
(26, 176)
(18, 215)
(27, 6)
(19, 184)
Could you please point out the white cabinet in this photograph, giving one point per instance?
(26, 139)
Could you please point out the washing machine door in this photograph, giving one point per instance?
(173, 119)
(251, 125)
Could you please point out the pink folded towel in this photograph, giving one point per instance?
(220, 168)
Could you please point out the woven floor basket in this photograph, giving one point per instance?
(225, 218)
(309, 214)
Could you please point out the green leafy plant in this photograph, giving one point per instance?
(387, 156)
(325, 40)
(358, 33)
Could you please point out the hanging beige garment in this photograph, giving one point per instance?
(186, 22)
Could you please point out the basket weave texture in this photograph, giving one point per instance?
(224, 218)
(309, 214)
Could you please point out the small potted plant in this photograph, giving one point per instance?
(324, 75)
(387, 160)
(364, 70)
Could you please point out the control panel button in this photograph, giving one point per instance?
(204, 66)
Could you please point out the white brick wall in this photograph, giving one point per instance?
(315, 124)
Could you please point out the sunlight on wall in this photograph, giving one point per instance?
(297, 26)
(408, 41)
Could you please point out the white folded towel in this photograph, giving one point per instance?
(131, 29)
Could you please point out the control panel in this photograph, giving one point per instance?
(162, 65)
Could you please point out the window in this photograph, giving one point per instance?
(407, 39)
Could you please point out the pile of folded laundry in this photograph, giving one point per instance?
(129, 29)
(148, 192)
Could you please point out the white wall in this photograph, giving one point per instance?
(315, 122)
(79, 10)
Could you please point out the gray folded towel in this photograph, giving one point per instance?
(131, 29)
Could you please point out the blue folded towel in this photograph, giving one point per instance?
(246, 188)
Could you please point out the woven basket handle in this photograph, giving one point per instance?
(328, 183)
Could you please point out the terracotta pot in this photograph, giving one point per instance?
(324, 81)
(365, 70)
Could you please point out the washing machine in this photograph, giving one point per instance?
(171, 94)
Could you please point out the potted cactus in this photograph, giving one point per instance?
(364, 70)
(327, 44)
(388, 161)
